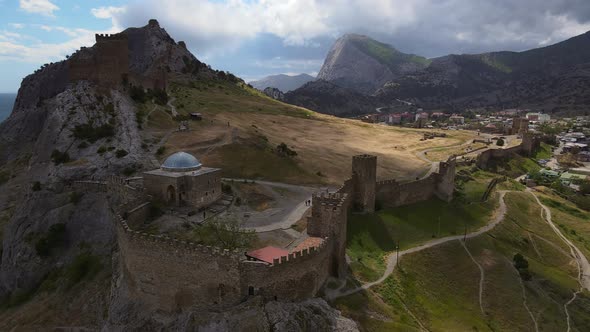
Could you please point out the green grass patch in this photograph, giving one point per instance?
(371, 237)
(544, 152)
(208, 96)
(255, 160)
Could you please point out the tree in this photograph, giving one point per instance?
(226, 233)
(500, 142)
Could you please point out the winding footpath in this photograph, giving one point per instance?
(393, 257)
(481, 276)
(581, 260)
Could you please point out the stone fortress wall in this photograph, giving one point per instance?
(441, 184)
(168, 274)
(107, 63)
(530, 142)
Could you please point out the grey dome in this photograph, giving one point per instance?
(181, 162)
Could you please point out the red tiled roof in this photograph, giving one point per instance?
(308, 243)
(267, 254)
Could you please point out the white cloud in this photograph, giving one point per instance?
(431, 27)
(43, 7)
(17, 25)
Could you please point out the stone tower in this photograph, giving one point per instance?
(445, 185)
(364, 178)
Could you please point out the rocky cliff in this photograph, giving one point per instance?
(282, 82)
(274, 93)
(71, 123)
(555, 78)
(329, 98)
(364, 64)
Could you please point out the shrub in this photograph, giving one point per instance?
(284, 150)
(36, 186)
(83, 145)
(75, 197)
(226, 188)
(500, 142)
(84, 265)
(101, 150)
(59, 157)
(138, 94)
(129, 170)
(121, 153)
(161, 150)
(55, 238)
(92, 134)
(160, 96)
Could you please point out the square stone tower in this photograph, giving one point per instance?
(364, 178)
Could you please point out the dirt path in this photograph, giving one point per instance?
(576, 254)
(481, 277)
(524, 303)
(172, 107)
(393, 257)
(582, 261)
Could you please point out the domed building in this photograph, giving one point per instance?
(182, 180)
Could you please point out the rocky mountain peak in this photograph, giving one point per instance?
(364, 64)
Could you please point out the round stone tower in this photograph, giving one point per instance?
(364, 178)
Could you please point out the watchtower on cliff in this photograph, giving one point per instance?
(364, 178)
(108, 63)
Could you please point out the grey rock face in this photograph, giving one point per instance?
(274, 93)
(353, 62)
(282, 82)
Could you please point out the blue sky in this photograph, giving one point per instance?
(255, 38)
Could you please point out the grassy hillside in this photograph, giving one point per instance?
(372, 236)
(438, 288)
(242, 129)
(386, 54)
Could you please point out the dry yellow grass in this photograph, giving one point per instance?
(324, 144)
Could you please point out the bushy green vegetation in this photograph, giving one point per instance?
(59, 157)
(120, 153)
(54, 239)
(88, 132)
(544, 152)
(84, 266)
(386, 54)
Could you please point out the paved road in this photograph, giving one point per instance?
(291, 217)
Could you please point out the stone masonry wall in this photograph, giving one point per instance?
(529, 144)
(296, 277)
(364, 176)
(441, 184)
(169, 275)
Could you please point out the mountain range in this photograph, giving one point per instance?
(554, 78)
(283, 82)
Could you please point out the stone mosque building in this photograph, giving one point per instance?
(183, 181)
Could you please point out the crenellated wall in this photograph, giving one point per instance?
(169, 275)
(298, 276)
(172, 275)
(440, 184)
(106, 64)
(530, 143)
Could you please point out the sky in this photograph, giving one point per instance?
(256, 38)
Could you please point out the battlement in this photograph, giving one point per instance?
(387, 182)
(101, 37)
(297, 256)
(364, 157)
(153, 23)
(175, 244)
